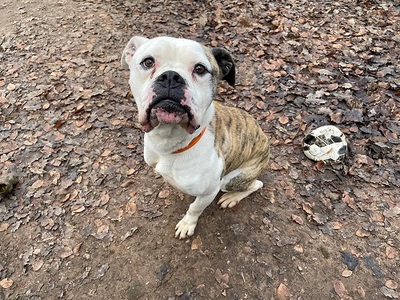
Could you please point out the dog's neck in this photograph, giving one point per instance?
(192, 142)
(168, 138)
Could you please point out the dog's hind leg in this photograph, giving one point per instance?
(230, 199)
(241, 182)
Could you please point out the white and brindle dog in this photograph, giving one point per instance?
(198, 145)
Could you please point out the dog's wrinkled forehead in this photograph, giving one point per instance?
(174, 53)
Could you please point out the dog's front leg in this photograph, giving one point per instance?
(185, 227)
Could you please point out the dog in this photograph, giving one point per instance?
(198, 145)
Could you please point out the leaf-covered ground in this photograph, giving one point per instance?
(89, 220)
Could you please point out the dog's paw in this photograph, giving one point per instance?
(230, 199)
(185, 227)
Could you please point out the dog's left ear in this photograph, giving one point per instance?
(130, 49)
(226, 65)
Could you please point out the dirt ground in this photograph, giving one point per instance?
(89, 220)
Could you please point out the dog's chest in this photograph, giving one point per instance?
(164, 167)
(193, 173)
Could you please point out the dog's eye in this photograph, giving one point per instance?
(200, 69)
(147, 63)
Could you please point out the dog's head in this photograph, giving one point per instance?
(173, 81)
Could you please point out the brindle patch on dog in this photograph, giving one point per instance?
(236, 134)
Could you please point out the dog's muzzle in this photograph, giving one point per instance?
(169, 104)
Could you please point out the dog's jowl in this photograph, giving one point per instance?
(198, 145)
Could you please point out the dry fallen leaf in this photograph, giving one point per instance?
(260, 53)
(79, 123)
(104, 199)
(261, 105)
(335, 225)
(59, 123)
(77, 248)
(361, 291)
(4, 226)
(391, 284)
(349, 201)
(79, 108)
(378, 217)
(37, 265)
(283, 120)
(222, 278)
(6, 283)
(297, 219)
(347, 273)
(362, 233)
(102, 232)
(283, 292)
(131, 207)
(164, 193)
(11, 87)
(339, 288)
(129, 233)
(307, 208)
(106, 152)
(64, 252)
(77, 209)
(298, 248)
(37, 184)
(391, 252)
(196, 243)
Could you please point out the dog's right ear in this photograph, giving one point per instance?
(130, 49)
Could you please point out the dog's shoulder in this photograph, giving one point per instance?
(237, 136)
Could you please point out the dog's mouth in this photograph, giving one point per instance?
(168, 111)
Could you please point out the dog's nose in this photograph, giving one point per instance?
(171, 80)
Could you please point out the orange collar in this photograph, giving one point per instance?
(192, 143)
